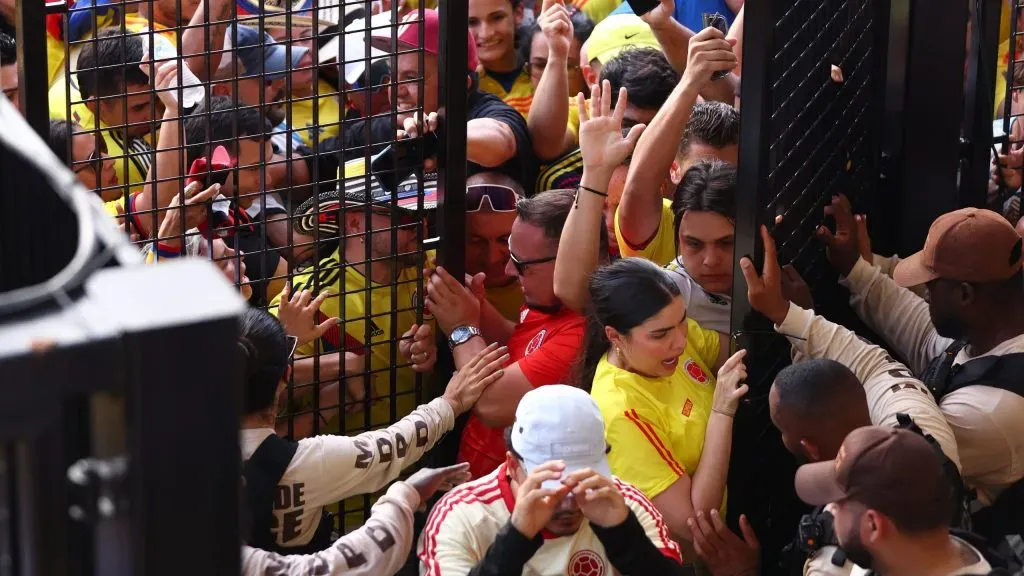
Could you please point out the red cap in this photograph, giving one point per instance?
(409, 36)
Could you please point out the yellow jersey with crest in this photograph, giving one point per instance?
(656, 426)
(374, 316)
(328, 116)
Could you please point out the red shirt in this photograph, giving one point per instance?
(545, 347)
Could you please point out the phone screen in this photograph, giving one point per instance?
(641, 7)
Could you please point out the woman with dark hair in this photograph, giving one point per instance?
(648, 366)
(289, 483)
(88, 160)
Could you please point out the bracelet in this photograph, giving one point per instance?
(591, 190)
(723, 412)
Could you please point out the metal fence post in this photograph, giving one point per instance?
(979, 101)
(935, 75)
(454, 16)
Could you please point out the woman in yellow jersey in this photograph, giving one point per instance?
(493, 24)
(649, 367)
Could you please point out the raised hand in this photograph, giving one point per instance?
(469, 383)
(165, 79)
(765, 291)
(193, 213)
(729, 387)
(428, 481)
(297, 314)
(843, 247)
(795, 289)
(417, 345)
(598, 497)
(556, 25)
(709, 52)
(601, 142)
(721, 550)
(535, 505)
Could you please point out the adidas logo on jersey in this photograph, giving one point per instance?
(375, 330)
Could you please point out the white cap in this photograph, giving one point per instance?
(559, 422)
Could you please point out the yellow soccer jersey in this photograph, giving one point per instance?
(464, 524)
(131, 168)
(597, 10)
(367, 311)
(656, 426)
(520, 96)
(328, 115)
(662, 248)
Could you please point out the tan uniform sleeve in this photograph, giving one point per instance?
(890, 388)
(366, 463)
(897, 314)
(381, 546)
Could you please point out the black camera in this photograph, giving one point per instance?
(815, 531)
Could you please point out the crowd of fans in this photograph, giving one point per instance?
(590, 337)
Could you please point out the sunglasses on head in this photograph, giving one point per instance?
(499, 198)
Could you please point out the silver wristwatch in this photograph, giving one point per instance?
(461, 335)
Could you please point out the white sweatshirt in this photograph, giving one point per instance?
(986, 421)
(379, 547)
(329, 468)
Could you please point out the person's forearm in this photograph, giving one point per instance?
(164, 177)
(489, 143)
(297, 247)
(508, 554)
(193, 40)
(675, 43)
(306, 371)
(640, 210)
(579, 247)
(494, 326)
(630, 550)
(896, 314)
(549, 112)
(496, 407)
(381, 546)
(736, 33)
(708, 488)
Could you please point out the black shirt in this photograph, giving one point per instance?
(522, 167)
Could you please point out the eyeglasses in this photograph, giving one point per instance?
(499, 198)
(293, 343)
(520, 265)
(95, 159)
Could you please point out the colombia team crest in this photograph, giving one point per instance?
(586, 563)
(535, 342)
(695, 371)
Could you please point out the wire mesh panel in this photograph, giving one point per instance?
(1004, 190)
(810, 129)
(294, 144)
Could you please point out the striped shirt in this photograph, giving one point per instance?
(462, 526)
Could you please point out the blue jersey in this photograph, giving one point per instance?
(690, 13)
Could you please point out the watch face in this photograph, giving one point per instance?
(461, 333)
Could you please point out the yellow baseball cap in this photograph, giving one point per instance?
(616, 33)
